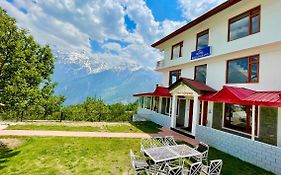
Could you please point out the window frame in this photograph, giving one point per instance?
(248, 118)
(202, 65)
(172, 52)
(251, 14)
(178, 71)
(167, 106)
(207, 31)
(249, 69)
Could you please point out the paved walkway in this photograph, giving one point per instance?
(164, 132)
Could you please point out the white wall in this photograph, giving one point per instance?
(260, 154)
(158, 118)
(269, 69)
(218, 30)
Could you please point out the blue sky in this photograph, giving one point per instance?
(114, 32)
(165, 9)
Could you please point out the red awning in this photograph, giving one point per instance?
(265, 98)
(159, 91)
(244, 96)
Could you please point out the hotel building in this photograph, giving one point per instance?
(222, 81)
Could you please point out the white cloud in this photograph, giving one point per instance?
(69, 25)
(192, 9)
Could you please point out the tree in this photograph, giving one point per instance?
(96, 106)
(49, 102)
(25, 68)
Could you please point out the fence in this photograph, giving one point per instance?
(65, 115)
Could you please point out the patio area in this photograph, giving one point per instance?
(164, 156)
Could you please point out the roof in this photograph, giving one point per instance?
(197, 86)
(244, 96)
(198, 20)
(159, 91)
(264, 98)
(229, 94)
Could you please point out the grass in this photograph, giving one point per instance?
(68, 156)
(85, 156)
(133, 127)
(234, 166)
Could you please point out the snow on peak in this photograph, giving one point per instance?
(95, 63)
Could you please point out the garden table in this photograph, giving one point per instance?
(167, 153)
(184, 151)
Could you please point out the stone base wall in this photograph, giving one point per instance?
(147, 114)
(260, 154)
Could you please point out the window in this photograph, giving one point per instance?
(141, 101)
(200, 73)
(176, 50)
(239, 118)
(174, 76)
(147, 102)
(245, 24)
(165, 106)
(202, 40)
(243, 70)
(155, 104)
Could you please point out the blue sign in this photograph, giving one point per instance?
(201, 53)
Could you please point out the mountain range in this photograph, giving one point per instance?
(79, 75)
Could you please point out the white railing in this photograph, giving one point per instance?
(159, 63)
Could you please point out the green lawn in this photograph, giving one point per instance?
(87, 156)
(68, 156)
(235, 166)
(133, 127)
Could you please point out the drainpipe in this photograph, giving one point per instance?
(202, 113)
(196, 107)
(160, 105)
(170, 106)
(174, 108)
(150, 103)
(253, 121)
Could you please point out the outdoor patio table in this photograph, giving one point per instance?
(184, 151)
(161, 154)
(166, 153)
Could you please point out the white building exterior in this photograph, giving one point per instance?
(247, 63)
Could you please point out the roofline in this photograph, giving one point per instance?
(181, 80)
(198, 20)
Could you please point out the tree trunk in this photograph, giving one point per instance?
(21, 118)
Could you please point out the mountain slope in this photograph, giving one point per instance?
(80, 75)
(110, 85)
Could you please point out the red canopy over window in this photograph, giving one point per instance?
(244, 96)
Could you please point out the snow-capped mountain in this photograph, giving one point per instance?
(80, 75)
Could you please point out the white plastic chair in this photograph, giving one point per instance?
(170, 141)
(203, 149)
(214, 168)
(194, 169)
(159, 141)
(173, 170)
(156, 170)
(146, 144)
(139, 165)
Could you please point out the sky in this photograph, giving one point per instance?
(113, 31)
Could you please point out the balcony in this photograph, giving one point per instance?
(166, 63)
(159, 64)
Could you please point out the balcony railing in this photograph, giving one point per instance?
(159, 63)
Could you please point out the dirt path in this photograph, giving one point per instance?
(164, 132)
